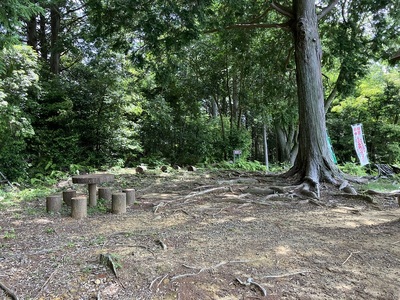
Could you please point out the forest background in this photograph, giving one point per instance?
(89, 85)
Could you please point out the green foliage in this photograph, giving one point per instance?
(12, 14)
(9, 234)
(353, 168)
(384, 185)
(101, 208)
(241, 165)
(192, 97)
(376, 105)
(16, 84)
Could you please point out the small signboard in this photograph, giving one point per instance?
(236, 155)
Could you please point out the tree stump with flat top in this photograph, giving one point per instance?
(53, 203)
(79, 207)
(118, 203)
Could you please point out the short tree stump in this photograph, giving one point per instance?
(68, 195)
(79, 207)
(53, 203)
(105, 193)
(130, 196)
(118, 203)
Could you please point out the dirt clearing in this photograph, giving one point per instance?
(205, 235)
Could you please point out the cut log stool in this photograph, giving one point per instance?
(92, 180)
(105, 193)
(118, 203)
(53, 203)
(79, 207)
(141, 169)
(191, 168)
(68, 195)
(130, 196)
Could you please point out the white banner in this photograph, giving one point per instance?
(359, 144)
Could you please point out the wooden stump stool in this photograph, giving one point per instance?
(68, 195)
(130, 196)
(105, 193)
(53, 203)
(79, 207)
(118, 203)
(141, 169)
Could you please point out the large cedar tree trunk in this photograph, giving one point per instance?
(313, 163)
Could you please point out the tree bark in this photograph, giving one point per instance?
(55, 30)
(313, 162)
(44, 51)
(32, 33)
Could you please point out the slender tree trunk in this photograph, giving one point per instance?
(313, 163)
(282, 144)
(32, 33)
(55, 48)
(265, 139)
(44, 51)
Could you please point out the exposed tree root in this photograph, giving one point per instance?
(212, 190)
(363, 197)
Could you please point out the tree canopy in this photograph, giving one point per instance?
(186, 82)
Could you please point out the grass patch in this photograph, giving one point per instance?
(383, 185)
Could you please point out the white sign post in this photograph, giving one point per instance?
(359, 144)
(236, 155)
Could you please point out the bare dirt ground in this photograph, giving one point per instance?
(205, 235)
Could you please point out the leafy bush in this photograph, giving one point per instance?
(241, 165)
(17, 82)
(353, 168)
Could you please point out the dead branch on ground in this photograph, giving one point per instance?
(351, 254)
(8, 291)
(205, 269)
(47, 281)
(286, 274)
(155, 280)
(250, 281)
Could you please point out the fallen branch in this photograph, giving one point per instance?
(205, 269)
(156, 207)
(351, 254)
(250, 281)
(155, 280)
(47, 281)
(8, 291)
(286, 275)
